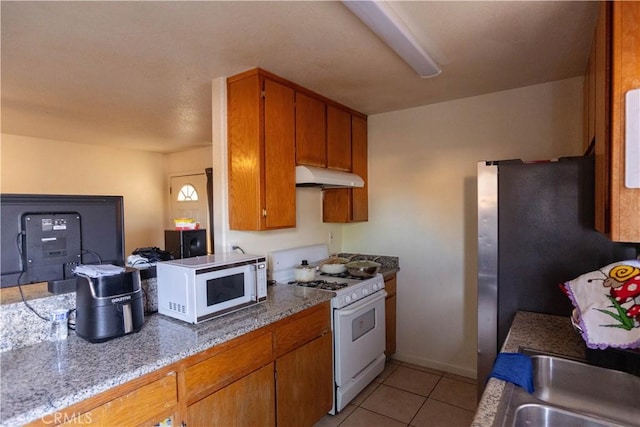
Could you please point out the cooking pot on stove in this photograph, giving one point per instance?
(334, 265)
(304, 272)
(363, 268)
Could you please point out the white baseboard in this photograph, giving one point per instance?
(432, 364)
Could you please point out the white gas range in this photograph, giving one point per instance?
(358, 319)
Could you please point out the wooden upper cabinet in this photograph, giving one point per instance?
(351, 204)
(625, 68)
(311, 131)
(338, 139)
(261, 149)
(614, 69)
(274, 124)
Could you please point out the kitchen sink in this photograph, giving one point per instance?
(536, 415)
(583, 387)
(571, 393)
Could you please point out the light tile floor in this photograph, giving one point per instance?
(410, 395)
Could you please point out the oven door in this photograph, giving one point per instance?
(225, 290)
(359, 336)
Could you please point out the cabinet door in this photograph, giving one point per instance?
(244, 143)
(351, 204)
(338, 139)
(304, 386)
(261, 144)
(625, 49)
(311, 131)
(250, 401)
(224, 368)
(279, 156)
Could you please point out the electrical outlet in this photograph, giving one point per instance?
(330, 237)
(232, 245)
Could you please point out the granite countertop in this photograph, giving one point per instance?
(542, 332)
(46, 377)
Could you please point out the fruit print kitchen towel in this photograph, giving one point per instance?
(607, 302)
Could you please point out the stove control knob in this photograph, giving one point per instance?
(365, 291)
(354, 296)
(375, 286)
(347, 299)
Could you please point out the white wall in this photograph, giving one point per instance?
(44, 166)
(181, 163)
(422, 203)
(190, 160)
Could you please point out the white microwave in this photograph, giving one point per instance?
(201, 288)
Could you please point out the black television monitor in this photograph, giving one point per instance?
(43, 237)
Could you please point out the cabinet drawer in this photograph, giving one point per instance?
(224, 368)
(297, 332)
(144, 403)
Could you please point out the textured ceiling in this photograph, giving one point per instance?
(138, 74)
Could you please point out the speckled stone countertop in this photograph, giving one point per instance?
(542, 332)
(46, 377)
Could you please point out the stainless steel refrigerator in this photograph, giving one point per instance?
(535, 231)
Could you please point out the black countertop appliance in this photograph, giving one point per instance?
(108, 307)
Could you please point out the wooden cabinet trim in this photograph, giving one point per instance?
(295, 86)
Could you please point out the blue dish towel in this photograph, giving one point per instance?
(515, 368)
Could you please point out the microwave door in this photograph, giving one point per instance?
(222, 290)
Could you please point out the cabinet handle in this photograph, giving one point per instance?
(264, 213)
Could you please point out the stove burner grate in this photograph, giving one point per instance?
(320, 284)
(344, 275)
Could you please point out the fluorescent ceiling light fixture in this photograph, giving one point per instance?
(381, 20)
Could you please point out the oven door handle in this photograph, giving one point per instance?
(363, 302)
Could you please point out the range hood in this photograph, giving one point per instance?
(310, 176)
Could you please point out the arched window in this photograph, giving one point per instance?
(187, 193)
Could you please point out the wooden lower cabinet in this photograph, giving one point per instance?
(304, 383)
(246, 402)
(147, 405)
(280, 372)
(390, 285)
